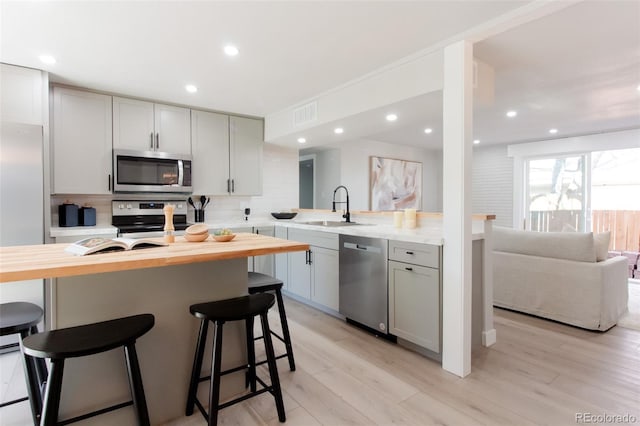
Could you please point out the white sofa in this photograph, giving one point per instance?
(563, 276)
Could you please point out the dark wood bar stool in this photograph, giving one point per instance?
(84, 340)
(261, 283)
(22, 318)
(238, 309)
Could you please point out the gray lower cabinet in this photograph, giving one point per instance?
(415, 293)
(313, 274)
(264, 264)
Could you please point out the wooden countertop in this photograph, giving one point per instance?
(19, 263)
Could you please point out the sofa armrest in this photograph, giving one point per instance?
(615, 290)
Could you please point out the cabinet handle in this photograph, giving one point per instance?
(233, 185)
(309, 257)
(157, 140)
(151, 146)
(409, 269)
(306, 257)
(109, 183)
(409, 252)
(228, 185)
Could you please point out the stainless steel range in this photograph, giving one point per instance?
(138, 219)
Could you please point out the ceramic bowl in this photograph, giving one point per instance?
(197, 229)
(224, 238)
(197, 238)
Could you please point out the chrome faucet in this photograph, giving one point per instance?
(346, 215)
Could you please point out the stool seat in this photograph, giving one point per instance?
(259, 283)
(18, 316)
(236, 309)
(88, 339)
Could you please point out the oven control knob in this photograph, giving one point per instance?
(121, 206)
(179, 206)
(129, 206)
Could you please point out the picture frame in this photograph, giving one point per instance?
(394, 184)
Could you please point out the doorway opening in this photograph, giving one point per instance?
(307, 181)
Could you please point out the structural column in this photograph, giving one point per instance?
(456, 203)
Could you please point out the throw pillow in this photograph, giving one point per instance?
(601, 241)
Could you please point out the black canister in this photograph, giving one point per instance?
(87, 216)
(68, 214)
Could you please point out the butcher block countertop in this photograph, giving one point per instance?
(19, 263)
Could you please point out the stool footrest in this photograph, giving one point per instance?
(273, 333)
(94, 413)
(265, 361)
(224, 373)
(15, 401)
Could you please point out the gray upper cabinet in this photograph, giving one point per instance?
(81, 142)
(146, 126)
(227, 154)
(22, 90)
(246, 140)
(210, 147)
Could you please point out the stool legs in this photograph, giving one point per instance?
(251, 355)
(285, 330)
(216, 363)
(32, 375)
(51, 403)
(273, 369)
(135, 383)
(197, 367)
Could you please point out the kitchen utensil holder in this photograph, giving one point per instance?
(199, 215)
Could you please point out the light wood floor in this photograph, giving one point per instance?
(539, 372)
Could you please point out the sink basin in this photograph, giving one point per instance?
(329, 223)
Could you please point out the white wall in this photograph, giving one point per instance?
(492, 183)
(327, 177)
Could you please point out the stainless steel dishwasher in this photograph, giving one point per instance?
(363, 282)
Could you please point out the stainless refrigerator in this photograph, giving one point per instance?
(21, 203)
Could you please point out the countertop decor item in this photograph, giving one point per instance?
(284, 215)
(196, 238)
(169, 229)
(224, 238)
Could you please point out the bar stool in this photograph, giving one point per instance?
(22, 318)
(237, 309)
(261, 283)
(84, 340)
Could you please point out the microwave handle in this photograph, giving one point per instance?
(157, 141)
(151, 146)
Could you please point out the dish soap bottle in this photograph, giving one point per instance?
(169, 236)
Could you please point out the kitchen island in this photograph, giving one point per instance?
(163, 281)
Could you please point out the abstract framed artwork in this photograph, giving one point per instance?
(395, 184)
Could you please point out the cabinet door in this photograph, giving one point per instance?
(281, 261)
(133, 124)
(210, 148)
(414, 304)
(81, 147)
(264, 264)
(299, 274)
(173, 129)
(324, 277)
(246, 144)
(21, 95)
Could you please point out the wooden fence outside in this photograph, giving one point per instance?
(623, 224)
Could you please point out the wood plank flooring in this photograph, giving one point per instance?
(539, 372)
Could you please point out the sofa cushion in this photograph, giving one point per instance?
(577, 246)
(601, 240)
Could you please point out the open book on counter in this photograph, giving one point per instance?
(95, 245)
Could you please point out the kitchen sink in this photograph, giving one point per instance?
(329, 223)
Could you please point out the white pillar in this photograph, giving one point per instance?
(456, 207)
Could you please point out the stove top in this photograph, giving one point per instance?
(146, 216)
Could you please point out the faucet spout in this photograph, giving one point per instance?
(346, 215)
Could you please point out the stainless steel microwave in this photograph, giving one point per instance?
(150, 171)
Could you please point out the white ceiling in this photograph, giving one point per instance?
(576, 70)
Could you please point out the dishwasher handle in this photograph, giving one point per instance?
(362, 247)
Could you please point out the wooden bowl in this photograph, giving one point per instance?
(197, 238)
(224, 238)
(197, 229)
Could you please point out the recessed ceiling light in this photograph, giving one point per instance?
(301, 140)
(47, 59)
(553, 131)
(338, 130)
(511, 114)
(476, 141)
(191, 88)
(231, 50)
(391, 117)
(428, 130)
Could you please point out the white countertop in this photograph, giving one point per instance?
(429, 234)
